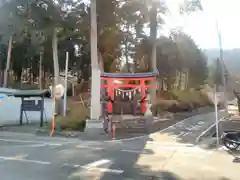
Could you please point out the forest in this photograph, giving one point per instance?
(36, 34)
(45, 29)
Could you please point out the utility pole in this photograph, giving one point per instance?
(65, 85)
(222, 66)
(153, 36)
(40, 70)
(5, 80)
(215, 100)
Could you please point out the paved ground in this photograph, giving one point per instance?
(166, 155)
(189, 130)
(229, 124)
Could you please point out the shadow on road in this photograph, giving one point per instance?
(136, 161)
(145, 172)
(135, 170)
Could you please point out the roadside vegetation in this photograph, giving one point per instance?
(36, 34)
(75, 119)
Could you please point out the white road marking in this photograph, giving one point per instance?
(106, 170)
(161, 131)
(191, 129)
(169, 144)
(181, 122)
(97, 163)
(36, 145)
(179, 135)
(93, 167)
(136, 151)
(196, 127)
(186, 134)
(21, 156)
(208, 129)
(29, 146)
(89, 147)
(24, 160)
(172, 148)
(33, 142)
(76, 166)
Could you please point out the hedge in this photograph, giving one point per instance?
(75, 119)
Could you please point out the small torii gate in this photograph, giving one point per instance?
(142, 78)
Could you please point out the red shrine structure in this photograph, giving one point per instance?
(141, 79)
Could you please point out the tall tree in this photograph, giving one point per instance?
(10, 27)
(63, 25)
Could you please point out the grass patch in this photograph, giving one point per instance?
(75, 119)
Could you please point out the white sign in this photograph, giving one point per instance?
(59, 91)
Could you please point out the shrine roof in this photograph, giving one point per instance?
(129, 75)
(30, 93)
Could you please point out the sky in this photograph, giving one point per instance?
(202, 25)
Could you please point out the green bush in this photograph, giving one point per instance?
(74, 121)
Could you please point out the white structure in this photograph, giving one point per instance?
(233, 107)
(59, 91)
(96, 82)
(148, 108)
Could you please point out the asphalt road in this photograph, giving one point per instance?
(190, 129)
(36, 159)
(29, 157)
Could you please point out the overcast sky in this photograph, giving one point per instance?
(202, 25)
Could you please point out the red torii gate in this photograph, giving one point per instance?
(142, 77)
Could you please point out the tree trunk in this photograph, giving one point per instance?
(153, 36)
(44, 80)
(55, 56)
(187, 79)
(126, 56)
(56, 79)
(182, 82)
(73, 89)
(8, 61)
(126, 49)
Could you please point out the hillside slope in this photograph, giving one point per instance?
(231, 58)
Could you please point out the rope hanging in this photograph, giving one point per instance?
(129, 92)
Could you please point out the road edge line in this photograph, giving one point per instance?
(208, 129)
(146, 135)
